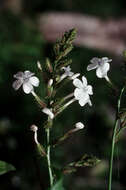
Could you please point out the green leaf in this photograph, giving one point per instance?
(58, 185)
(5, 167)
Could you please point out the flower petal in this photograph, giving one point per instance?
(68, 69)
(77, 83)
(84, 81)
(89, 90)
(78, 93)
(17, 84)
(27, 87)
(102, 70)
(106, 60)
(99, 72)
(92, 66)
(84, 100)
(106, 67)
(95, 60)
(34, 81)
(28, 74)
(89, 102)
(19, 75)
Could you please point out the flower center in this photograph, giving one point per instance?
(101, 62)
(26, 79)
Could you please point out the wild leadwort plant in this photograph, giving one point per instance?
(57, 73)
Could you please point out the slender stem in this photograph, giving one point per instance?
(65, 106)
(48, 157)
(68, 103)
(112, 154)
(40, 102)
(119, 100)
(113, 87)
(68, 96)
(113, 141)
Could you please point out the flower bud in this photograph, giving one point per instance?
(39, 65)
(34, 128)
(50, 82)
(48, 112)
(79, 125)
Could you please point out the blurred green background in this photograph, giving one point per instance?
(21, 45)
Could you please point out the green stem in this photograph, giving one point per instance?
(48, 157)
(113, 141)
(112, 154)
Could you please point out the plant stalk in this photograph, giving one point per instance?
(112, 154)
(113, 140)
(48, 157)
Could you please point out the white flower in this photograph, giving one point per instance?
(82, 91)
(67, 72)
(48, 112)
(79, 125)
(101, 65)
(27, 80)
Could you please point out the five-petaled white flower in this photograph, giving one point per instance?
(82, 91)
(101, 65)
(67, 72)
(27, 80)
